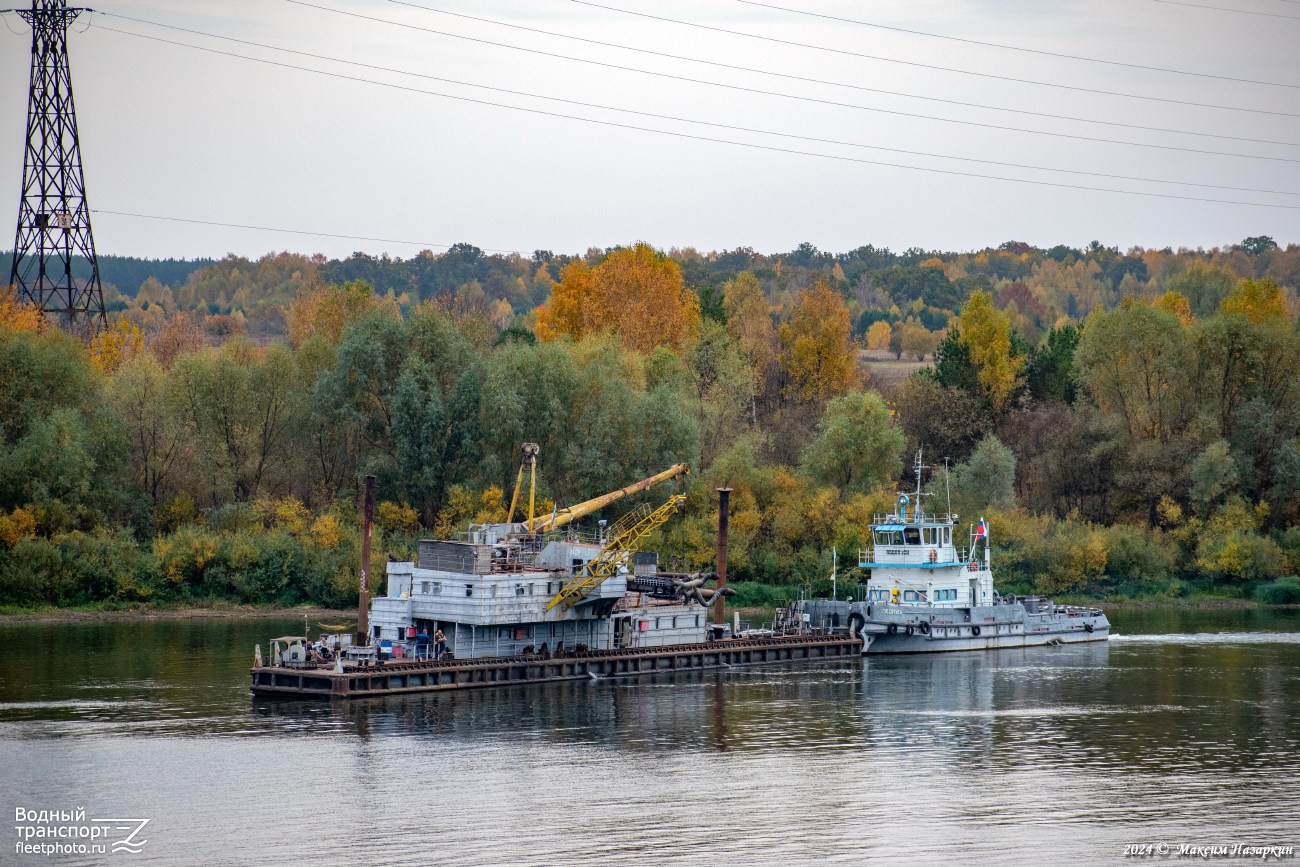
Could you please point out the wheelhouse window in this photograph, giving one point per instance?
(889, 537)
(947, 535)
(911, 536)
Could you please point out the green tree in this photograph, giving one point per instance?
(988, 479)
(1137, 364)
(724, 389)
(857, 446)
(1050, 374)
(139, 392)
(1204, 286)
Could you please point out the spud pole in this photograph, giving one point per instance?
(363, 610)
(720, 599)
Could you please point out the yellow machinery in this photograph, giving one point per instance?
(559, 518)
(624, 536)
(529, 461)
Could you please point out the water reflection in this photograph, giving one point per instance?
(1018, 756)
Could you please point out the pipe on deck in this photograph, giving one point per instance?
(572, 513)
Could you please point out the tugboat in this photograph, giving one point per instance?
(926, 592)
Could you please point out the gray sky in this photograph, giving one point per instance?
(172, 131)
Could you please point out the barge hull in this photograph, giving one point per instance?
(412, 677)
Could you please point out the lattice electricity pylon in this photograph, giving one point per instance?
(53, 217)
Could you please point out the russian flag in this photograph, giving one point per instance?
(983, 531)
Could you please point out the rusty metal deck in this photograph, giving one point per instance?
(424, 676)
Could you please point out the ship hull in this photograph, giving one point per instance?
(884, 643)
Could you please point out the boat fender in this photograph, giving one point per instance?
(892, 629)
(924, 627)
(909, 630)
(1087, 627)
(975, 631)
(857, 623)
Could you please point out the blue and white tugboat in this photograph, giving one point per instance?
(929, 590)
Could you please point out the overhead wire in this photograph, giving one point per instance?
(809, 99)
(1005, 47)
(847, 85)
(1224, 9)
(847, 53)
(699, 122)
(692, 137)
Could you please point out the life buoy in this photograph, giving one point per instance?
(1087, 627)
(892, 629)
(974, 565)
(924, 627)
(975, 631)
(934, 556)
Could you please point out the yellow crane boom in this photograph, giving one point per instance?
(561, 517)
(624, 537)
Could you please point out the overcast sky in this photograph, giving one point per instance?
(177, 132)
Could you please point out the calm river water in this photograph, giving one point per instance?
(1183, 729)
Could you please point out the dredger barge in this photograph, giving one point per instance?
(539, 600)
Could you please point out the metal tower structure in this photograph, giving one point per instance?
(53, 217)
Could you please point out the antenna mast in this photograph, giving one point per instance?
(947, 489)
(53, 217)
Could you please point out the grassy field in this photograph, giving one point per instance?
(886, 372)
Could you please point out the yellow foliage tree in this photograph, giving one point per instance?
(636, 292)
(878, 335)
(19, 315)
(287, 513)
(1173, 302)
(327, 310)
(986, 333)
(749, 322)
(917, 340)
(20, 525)
(325, 531)
(502, 312)
(1257, 300)
(398, 516)
(115, 346)
(818, 353)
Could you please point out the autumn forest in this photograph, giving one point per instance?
(1127, 423)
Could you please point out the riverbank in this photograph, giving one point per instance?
(209, 611)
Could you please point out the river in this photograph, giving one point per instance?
(1183, 729)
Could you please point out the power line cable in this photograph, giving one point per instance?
(1038, 51)
(693, 137)
(809, 99)
(287, 231)
(847, 53)
(693, 121)
(859, 87)
(748, 69)
(1224, 9)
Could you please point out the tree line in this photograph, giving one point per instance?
(1139, 445)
